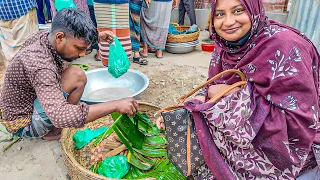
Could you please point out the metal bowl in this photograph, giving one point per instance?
(181, 48)
(100, 79)
(184, 44)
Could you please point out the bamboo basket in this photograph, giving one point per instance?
(74, 168)
(183, 38)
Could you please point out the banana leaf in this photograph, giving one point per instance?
(95, 166)
(14, 139)
(163, 170)
(128, 127)
(130, 131)
(151, 152)
(123, 139)
(144, 159)
(145, 125)
(137, 163)
(133, 173)
(100, 138)
(155, 140)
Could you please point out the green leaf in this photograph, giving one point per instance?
(123, 139)
(143, 159)
(102, 137)
(152, 152)
(14, 140)
(164, 169)
(3, 129)
(137, 163)
(155, 140)
(130, 131)
(115, 115)
(133, 173)
(95, 166)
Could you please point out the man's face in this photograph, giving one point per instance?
(70, 48)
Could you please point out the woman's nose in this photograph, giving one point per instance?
(229, 20)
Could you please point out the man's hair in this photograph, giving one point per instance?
(75, 23)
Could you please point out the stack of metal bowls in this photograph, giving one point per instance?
(181, 48)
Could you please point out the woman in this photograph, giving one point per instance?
(113, 15)
(134, 18)
(268, 129)
(155, 19)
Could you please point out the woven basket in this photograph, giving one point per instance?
(75, 170)
(175, 24)
(182, 38)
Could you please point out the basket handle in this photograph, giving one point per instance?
(190, 93)
(214, 99)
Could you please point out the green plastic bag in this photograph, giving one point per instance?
(83, 137)
(118, 60)
(114, 167)
(61, 4)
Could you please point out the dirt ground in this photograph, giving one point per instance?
(169, 77)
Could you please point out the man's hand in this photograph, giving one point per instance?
(106, 36)
(214, 90)
(127, 106)
(148, 3)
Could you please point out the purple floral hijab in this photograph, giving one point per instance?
(269, 128)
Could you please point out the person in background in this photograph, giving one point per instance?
(43, 95)
(155, 19)
(81, 4)
(209, 24)
(93, 18)
(269, 129)
(113, 15)
(134, 11)
(18, 19)
(40, 13)
(187, 6)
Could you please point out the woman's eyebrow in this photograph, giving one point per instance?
(231, 8)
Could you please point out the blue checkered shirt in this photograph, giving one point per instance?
(12, 9)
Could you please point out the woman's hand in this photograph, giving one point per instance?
(200, 98)
(160, 123)
(106, 36)
(214, 90)
(175, 3)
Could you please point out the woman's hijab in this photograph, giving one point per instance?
(282, 68)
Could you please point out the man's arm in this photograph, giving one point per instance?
(124, 106)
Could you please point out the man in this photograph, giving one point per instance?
(187, 6)
(18, 19)
(39, 95)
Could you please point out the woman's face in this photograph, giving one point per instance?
(231, 21)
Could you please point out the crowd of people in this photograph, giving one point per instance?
(131, 21)
(266, 130)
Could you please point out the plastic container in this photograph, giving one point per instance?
(207, 47)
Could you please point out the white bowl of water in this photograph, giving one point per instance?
(102, 87)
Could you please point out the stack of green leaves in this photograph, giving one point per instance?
(147, 147)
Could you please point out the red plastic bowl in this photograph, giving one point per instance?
(207, 47)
